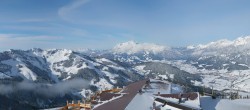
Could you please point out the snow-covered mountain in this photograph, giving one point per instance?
(57, 65)
(132, 53)
(239, 42)
(46, 68)
(220, 64)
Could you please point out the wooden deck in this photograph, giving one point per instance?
(108, 96)
(122, 102)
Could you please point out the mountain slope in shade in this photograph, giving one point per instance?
(42, 69)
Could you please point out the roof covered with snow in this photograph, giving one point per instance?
(121, 103)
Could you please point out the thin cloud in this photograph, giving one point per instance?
(12, 37)
(32, 20)
(22, 41)
(65, 10)
(48, 90)
(27, 27)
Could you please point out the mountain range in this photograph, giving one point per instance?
(220, 65)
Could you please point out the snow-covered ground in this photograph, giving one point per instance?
(145, 100)
(189, 103)
(207, 103)
(218, 79)
(238, 104)
(141, 102)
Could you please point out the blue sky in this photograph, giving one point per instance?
(101, 24)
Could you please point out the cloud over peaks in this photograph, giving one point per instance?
(132, 47)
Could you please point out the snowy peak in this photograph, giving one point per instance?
(132, 47)
(217, 44)
(241, 41)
